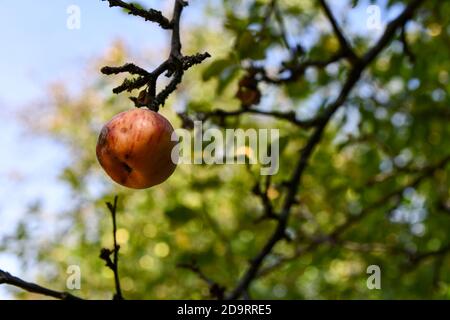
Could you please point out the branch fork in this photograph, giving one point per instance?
(173, 67)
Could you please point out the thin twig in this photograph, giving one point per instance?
(287, 116)
(105, 254)
(297, 71)
(175, 50)
(216, 290)
(148, 15)
(345, 46)
(265, 199)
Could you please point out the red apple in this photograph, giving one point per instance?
(135, 147)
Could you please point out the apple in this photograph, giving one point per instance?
(134, 148)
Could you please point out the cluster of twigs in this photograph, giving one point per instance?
(173, 67)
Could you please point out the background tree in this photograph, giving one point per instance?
(363, 170)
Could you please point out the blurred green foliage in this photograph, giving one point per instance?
(395, 123)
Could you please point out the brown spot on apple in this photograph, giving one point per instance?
(103, 135)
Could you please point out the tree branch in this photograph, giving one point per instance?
(391, 29)
(128, 67)
(293, 184)
(175, 51)
(337, 232)
(297, 70)
(174, 66)
(148, 15)
(264, 196)
(7, 278)
(287, 116)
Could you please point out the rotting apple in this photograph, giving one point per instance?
(134, 148)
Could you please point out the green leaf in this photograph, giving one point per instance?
(215, 68)
(227, 76)
(180, 214)
(248, 47)
(71, 177)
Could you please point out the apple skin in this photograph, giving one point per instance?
(134, 148)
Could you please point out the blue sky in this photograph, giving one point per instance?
(37, 49)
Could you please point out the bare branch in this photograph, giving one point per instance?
(345, 46)
(175, 50)
(297, 70)
(130, 85)
(189, 61)
(216, 290)
(267, 204)
(391, 29)
(288, 116)
(293, 186)
(419, 257)
(333, 236)
(164, 94)
(174, 66)
(148, 15)
(7, 278)
(427, 172)
(128, 67)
